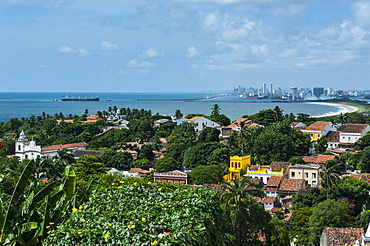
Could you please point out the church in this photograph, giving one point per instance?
(27, 149)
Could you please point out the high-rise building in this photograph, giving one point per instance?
(294, 91)
(271, 91)
(318, 91)
(277, 92)
(264, 88)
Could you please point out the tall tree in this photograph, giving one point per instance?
(215, 110)
(178, 114)
(246, 217)
(329, 179)
(329, 213)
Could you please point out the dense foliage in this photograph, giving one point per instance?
(160, 214)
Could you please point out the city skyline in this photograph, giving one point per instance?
(182, 45)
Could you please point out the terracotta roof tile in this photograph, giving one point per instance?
(343, 236)
(290, 184)
(238, 121)
(318, 159)
(318, 126)
(269, 188)
(274, 181)
(195, 118)
(322, 159)
(65, 146)
(333, 136)
(355, 128)
(276, 166)
(309, 159)
(134, 170)
(269, 199)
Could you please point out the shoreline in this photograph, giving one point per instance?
(342, 109)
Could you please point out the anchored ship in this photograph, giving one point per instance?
(66, 98)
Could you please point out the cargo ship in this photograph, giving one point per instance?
(66, 98)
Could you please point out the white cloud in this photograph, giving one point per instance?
(135, 63)
(236, 31)
(192, 51)
(358, 35)
(151, 53)
(105, 45)
(210, 21)
(292, 9)
(362, 13)
(66, 49)
(83, 52)
(288, 53)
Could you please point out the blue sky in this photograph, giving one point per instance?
(182, 45)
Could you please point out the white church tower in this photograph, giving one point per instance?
(26, 149)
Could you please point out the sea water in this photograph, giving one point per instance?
(26, 104)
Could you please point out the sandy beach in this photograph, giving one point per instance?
(342, 108)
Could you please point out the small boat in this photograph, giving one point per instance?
(108, 100)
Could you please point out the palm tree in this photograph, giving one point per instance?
(239, 206)
(329, 179)
(215, 110)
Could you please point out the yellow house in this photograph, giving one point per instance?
(237, 163)
(319, 129)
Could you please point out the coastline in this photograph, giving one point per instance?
(343, 108)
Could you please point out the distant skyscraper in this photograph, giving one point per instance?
(277, 92)
(264, 88)
(294, 91)
(318, 91)
(271, 91)
(329, 91)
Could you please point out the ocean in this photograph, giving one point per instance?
(26, 104)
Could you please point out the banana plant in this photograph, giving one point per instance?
(32, 207)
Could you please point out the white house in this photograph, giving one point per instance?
(351, 134)
(52, 150)
(201, 122)
(26, 149)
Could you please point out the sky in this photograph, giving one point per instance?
(182, 45)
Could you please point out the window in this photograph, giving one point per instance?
(306, 175)
(26, 156)
(313, 175)
(292, 174)
(19, 147)
(313, 183)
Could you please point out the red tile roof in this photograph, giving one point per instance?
(195, 118)
(333, 136)
(65, 146)
(276, 166)
(269, 199)
(343, 236)
(291, 184)
(274, 181)
(318, 126)
(238, 122)
(134, 170)
(318, 159)
(322, 159)
(355, 128)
